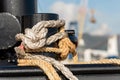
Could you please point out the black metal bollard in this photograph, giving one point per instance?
(29, 21)
(18, 7)
(9, 27)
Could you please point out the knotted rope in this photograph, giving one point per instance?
(35, 40)
(36, 37)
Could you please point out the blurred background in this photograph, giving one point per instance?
(96, 24)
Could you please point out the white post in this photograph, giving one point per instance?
(113, 46)
(87, 55)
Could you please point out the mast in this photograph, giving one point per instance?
(82, 16)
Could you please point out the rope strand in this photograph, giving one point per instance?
(103, 61)
(30, 60)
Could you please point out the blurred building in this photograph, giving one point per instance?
(98, 47)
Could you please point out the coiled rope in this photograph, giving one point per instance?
(35, 40)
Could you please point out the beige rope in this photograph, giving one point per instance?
(36, 37)
(34, 40)
(60, 67)
(103, 61)
(55, 63)
(55, 37)
(44, 49)
(45, 66)
(29, 60)
(67, 47)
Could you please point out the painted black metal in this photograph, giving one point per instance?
(72, 37)
(82, 71)
(18, 7)
(9, 27)
(31, 20)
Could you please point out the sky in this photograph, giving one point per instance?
(107, 13)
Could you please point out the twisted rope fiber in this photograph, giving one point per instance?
(60, 67)
(35, 39)
(55, 63)
(67, 47)
(55, 50)
(44, 49)
(103, 61)
(30, 60)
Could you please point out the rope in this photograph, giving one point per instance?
(45, 66)
(36, 37)
(29, 60)
(35, 40)
(45, 49)
(34, 57)
(67, 47)
(103, 61)
(60, 67)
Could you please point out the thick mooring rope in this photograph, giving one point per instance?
(103, 61)
(36, 37)
(35, 40)
(30, 60)
(55, 63)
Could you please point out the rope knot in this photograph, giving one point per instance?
(36, 40)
